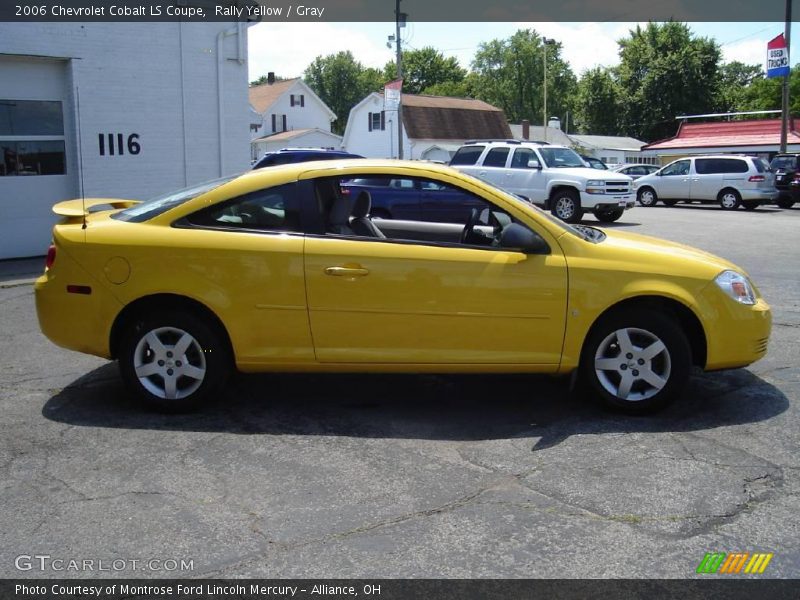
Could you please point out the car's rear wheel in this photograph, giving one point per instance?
(785, 203)
(566, 205)
(637, 361)
(647, 196)
(729, 199)
(609, 215)
(173, 361)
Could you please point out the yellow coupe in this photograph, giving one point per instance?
(284, 269)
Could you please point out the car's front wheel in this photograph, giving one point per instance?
(609, 215)
(566, 205)
(647, 196)
(785, 203)
(637, 361)
(173, 361)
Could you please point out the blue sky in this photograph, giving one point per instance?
(287, 48)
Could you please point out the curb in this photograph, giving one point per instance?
(16, 283)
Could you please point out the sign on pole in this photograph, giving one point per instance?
(391, 94)
(777, 57)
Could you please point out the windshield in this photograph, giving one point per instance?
(161, 204)
(557, 158)
(528, 204)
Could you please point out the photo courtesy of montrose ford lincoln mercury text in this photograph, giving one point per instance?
(282, 269)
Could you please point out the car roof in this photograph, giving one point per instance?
(521, 143)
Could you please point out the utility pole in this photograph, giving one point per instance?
(398, 16)
(785, 94)
(545, 43)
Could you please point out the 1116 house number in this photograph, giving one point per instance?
(116, 144)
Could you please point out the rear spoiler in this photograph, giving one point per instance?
(81, 207)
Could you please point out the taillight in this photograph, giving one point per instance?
(345, 191)
(51, 257)
(756, 178)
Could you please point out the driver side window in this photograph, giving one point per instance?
(423, 211)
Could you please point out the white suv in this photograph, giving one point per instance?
(553, 177)
(731, 180)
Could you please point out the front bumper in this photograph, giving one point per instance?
(607, 201)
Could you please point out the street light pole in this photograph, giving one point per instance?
(785, 90)
(545, 43)
(398, 15)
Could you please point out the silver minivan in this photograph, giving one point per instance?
(732, 181)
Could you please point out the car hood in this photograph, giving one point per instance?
(587, 173)
(666, 256)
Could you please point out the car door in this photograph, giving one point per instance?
(390, 301)
(526, 181)
(674, 182)
(493, 166)
(707, 178)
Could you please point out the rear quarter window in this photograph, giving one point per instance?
(467, 155)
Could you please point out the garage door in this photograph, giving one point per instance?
(37, 166)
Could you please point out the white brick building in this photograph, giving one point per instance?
(162, 106)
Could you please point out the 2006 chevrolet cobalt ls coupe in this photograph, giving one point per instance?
(284, 270)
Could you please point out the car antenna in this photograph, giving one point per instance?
(80, 154)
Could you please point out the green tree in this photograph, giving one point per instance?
(666, 71)
(425, 68)
(765, 94)
(735, 79)
(598, 104)
(341, 82)
(509, 74)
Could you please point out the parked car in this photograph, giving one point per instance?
(295, 155)
(787, 178)
(634, 171)
(732, 181)
(594, 163)
(553, 177)
(406, 198)
(278, 270)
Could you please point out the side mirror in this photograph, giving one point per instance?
(519, 236)
(534, 164)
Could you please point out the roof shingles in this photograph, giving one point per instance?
(444, 118)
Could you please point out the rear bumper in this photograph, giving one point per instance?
(763, 196)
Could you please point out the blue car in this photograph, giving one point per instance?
(296, 155)
(414, 200)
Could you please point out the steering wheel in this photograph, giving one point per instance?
(471, 222)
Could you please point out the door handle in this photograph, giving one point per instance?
(346, 271)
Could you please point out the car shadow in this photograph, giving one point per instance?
(437, 407)
(760, 209)
(613, 225)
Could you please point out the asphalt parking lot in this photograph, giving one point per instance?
(412, 476)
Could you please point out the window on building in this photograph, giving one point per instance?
(31, 138)
(278, 123)
(377, 121)
(297, 100)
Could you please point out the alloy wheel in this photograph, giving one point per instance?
(632, 364)
(169, 363)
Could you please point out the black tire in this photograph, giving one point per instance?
(565, 204)
(729, 199)
(785, 203)
(750, 205)
(644, 328)
(647, 197)
(196, 375)
(608, 216)
(671, 202)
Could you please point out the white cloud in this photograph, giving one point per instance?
(288, 48)
(751, 52)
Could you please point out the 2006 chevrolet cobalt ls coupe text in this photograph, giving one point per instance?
(284, 270)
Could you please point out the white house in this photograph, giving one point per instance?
(615, 150)
(433, 126)
(290, 105)
(296, 138)
(114, 109)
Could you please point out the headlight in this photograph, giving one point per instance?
(736, 286)
(595, 186)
